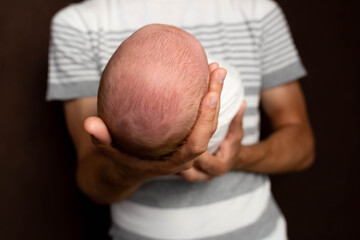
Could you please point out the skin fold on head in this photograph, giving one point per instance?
(151, 89)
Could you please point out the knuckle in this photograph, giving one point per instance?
(198, 149)
(187, 166)
(190, 178)
(170, 170)
(163, 170)
(222, 171)
(188, 175)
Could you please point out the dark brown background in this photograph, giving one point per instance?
(38, 195)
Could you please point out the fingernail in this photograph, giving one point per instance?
(221, 78)
(213, 101)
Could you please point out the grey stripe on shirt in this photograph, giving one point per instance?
(295, 70)
(72, 90)
(266, 222)
(179, 193)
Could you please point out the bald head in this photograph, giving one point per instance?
(151, 89)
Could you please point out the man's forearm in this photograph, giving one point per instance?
(289, 148)
(98, 178)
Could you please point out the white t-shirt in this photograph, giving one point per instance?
(249, 35)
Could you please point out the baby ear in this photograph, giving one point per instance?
(96, 127)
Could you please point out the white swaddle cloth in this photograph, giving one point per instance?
(231, 98)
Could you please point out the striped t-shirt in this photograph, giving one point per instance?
(250, 35)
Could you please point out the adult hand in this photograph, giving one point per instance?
(208, 166)
(132, 171)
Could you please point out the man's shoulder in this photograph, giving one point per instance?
(82, 15)
(265, 7)
(255, 9)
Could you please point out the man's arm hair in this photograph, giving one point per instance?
(291, 146)
(96, 174)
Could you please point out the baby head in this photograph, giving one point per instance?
(151, 89)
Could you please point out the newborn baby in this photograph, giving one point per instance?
(151, 89)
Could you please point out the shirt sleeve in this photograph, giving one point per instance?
(73, 66)
(280, 62)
